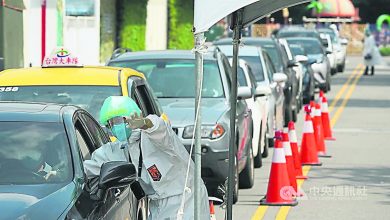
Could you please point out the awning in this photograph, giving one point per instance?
(207, 12)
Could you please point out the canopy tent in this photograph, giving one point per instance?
(253, 10)
(336, 8)
(206, 14)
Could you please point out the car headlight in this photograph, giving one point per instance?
(207, 131)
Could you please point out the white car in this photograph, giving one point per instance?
(258, 104)
(265, 75)
(339, 46)
(331, 53)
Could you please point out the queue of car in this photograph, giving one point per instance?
(276, 76)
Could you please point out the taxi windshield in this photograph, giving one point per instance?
(34, 153)
(89, 98)
(175, 78)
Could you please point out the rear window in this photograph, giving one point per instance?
(312, 47)
(175, 78)
(285, 34)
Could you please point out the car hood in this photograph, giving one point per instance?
(181, 110)
(44, 201)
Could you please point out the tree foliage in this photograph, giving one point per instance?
(132, 24)
(181, 15)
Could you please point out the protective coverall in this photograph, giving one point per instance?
(371, 48)
(163, 171)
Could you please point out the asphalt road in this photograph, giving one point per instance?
(355, 182)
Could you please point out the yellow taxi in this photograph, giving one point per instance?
(62, 79)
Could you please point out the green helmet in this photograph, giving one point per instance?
(115, 106)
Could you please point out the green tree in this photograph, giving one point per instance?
(132, 24)
(181, 16)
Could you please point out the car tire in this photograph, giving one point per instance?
(294, 116)
(341, 68)
(258, 159)
(271, 142)
(236, 186)
(247, 175)
(266, 146)
(288, 115)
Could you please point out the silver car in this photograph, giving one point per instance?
(171, 74)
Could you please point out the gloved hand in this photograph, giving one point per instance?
(136, 121)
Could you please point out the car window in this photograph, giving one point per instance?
(251, 77)
(270, 67)
(241, 77)
(94, 130)
(147, 101)
(255, 63)
(85, 143)
(85, 153)
(272, 50)
(228, 72)
(175, 78)
(312, 47)
(34, 153)
(89, 98)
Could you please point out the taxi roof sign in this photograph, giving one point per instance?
(61, 57)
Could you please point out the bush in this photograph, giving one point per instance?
(132, 24)
(385, 51)
(181, 17)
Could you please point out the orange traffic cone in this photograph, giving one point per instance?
(308, 147)
(318, 132)
(211, 205)
(325, 120)
(279, 192)
(212, 211)
(312, 109)
(294, 148)
(289, 160)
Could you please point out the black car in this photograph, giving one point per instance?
(42, 149)
(308, 73)
(282, 64)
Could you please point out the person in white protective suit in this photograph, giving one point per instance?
(164, 159)
(371, 53)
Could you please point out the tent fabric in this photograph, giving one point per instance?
(207, 13)
(260, 9)
(337, 8)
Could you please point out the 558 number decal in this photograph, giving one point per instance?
(9, 89)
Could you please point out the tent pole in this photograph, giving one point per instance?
(237, 16)
(199, 39)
